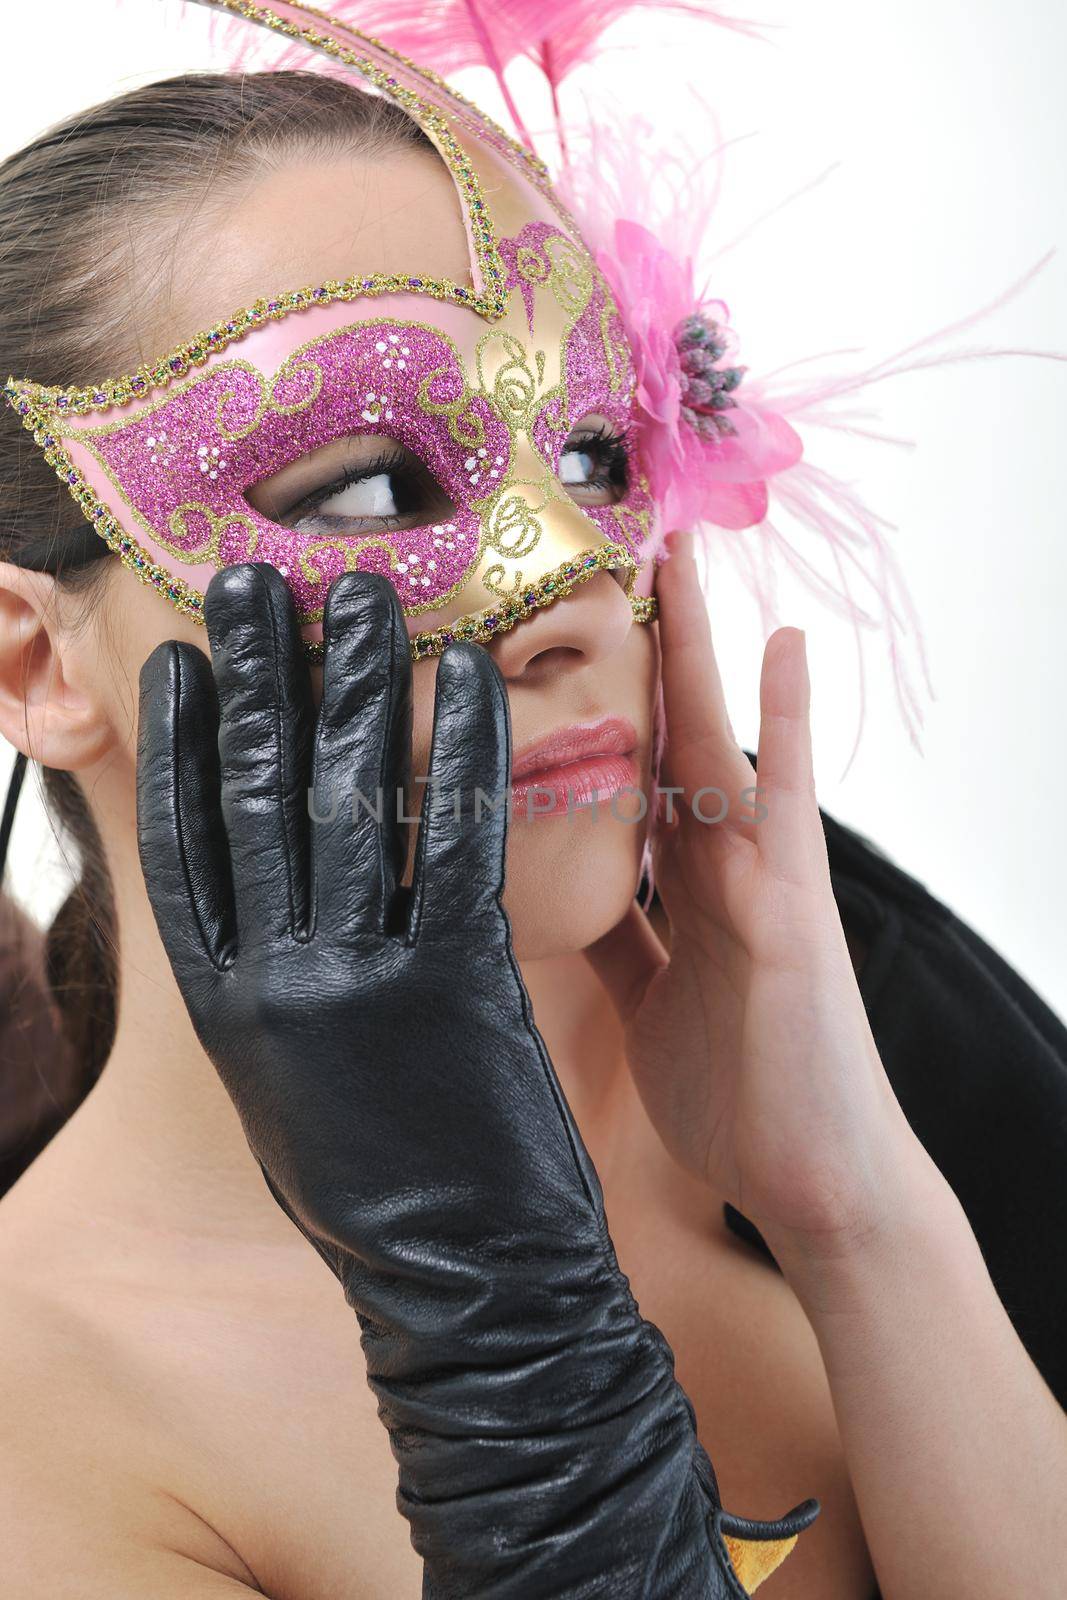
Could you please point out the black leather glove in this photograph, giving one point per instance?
(379, 1046)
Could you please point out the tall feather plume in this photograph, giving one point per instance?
(450, 35)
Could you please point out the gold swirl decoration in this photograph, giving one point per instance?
(571, 284)
(554, 408)
(232, 435)
(179, 527)
(571, 276)
(349, 553)
(616, 350)
(512, 388)
(267, 398)
(512, 522)
(287, 373)
(465, 426)
(493, 578)
(634, 523)
(532, 264)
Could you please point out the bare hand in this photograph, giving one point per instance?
(749, 1043)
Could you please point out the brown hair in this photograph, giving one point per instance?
(70, 203)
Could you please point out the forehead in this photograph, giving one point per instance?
(303, 220)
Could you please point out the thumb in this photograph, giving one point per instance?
(626, 959)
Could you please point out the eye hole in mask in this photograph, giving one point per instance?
(372, 484)
(595, 465)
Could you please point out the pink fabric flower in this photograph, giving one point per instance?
(694, 479)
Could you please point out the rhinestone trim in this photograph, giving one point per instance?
(479, 627)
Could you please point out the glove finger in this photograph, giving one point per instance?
(264, 691)
(362, 753)
(180, 835)
(459, 859)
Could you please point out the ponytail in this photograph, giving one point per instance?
(37, 1070)
(58, 993)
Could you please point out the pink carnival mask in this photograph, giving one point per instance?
(483, 383)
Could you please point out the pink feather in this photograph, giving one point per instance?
(450, 35)
(758, 496)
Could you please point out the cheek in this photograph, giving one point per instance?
(423, 687)
(569, 882)
(135, 619)
(423, 682)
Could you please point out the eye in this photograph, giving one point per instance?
(354, 486)
(595, 464)
(364, 495)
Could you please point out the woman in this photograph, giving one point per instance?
(183, 1411)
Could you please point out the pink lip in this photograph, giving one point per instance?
(574, 767)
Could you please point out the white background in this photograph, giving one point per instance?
(948, 126)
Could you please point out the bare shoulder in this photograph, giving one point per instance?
(200, 1408)
(81, 1512)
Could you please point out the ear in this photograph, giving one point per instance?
(50, 707)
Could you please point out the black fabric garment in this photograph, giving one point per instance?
(979, 1064)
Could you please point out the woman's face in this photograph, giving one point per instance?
(580, 673)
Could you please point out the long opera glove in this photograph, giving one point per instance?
(379, 1046)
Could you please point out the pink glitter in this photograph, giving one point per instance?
(371, 374)
(185, 465)
(590, 388)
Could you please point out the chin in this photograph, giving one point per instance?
(570, 880)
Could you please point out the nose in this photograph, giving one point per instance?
(587, 625)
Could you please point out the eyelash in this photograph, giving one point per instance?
(394, 460)
(614, 449)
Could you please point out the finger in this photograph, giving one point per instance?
(701, 748)
(791, 839)
(180, 834)
(459, 858)
(264, 692)
(626, 959)
(362, 752)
